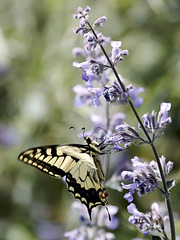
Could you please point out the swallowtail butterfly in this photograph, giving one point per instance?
(81, 166)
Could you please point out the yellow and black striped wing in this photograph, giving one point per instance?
(72, 161)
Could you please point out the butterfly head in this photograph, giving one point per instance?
(89, 140)
(92, 144)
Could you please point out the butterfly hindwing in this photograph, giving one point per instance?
(76, 163)
(84, 188)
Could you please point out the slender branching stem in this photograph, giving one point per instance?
(168, 200)
(107, 127)
(107, 116)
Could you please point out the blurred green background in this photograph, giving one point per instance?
(36, 80)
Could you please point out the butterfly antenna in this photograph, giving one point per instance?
(78, 134)
(99, 128)
(83, 131)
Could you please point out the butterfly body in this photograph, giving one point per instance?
(80, 164)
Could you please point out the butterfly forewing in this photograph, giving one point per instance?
(74, 161)
(49, 159)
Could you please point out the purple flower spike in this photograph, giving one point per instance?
(150, 122)
(144, 178)
(163, 119)
(117, 54)
(92, 41)
(125, 137)
(167, 167)
(98, 23)
(82, 13)
(83, 17)
(149, 223)
(141, 220)
(114, 93)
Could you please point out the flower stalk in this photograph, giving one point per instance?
(168, 200)
(167, 193)
(146, 177)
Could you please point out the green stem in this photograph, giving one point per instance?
(168, 200)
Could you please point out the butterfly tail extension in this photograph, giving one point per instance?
(90, 211)
(102, 196)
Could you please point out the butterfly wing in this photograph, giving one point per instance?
(73, 161)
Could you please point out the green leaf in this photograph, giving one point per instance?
(141, 143)
(114, 185)
(170, 183)
(159, 135)
(164, 194)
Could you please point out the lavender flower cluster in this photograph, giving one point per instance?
(100, 89)
(145, 177)
(152, 222)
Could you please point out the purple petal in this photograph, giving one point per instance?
(131, 208)
(126, 175)
(129, 197)
(95, 101)
(84, 76)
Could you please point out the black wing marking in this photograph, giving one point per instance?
(70, 161)
(83, 187)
